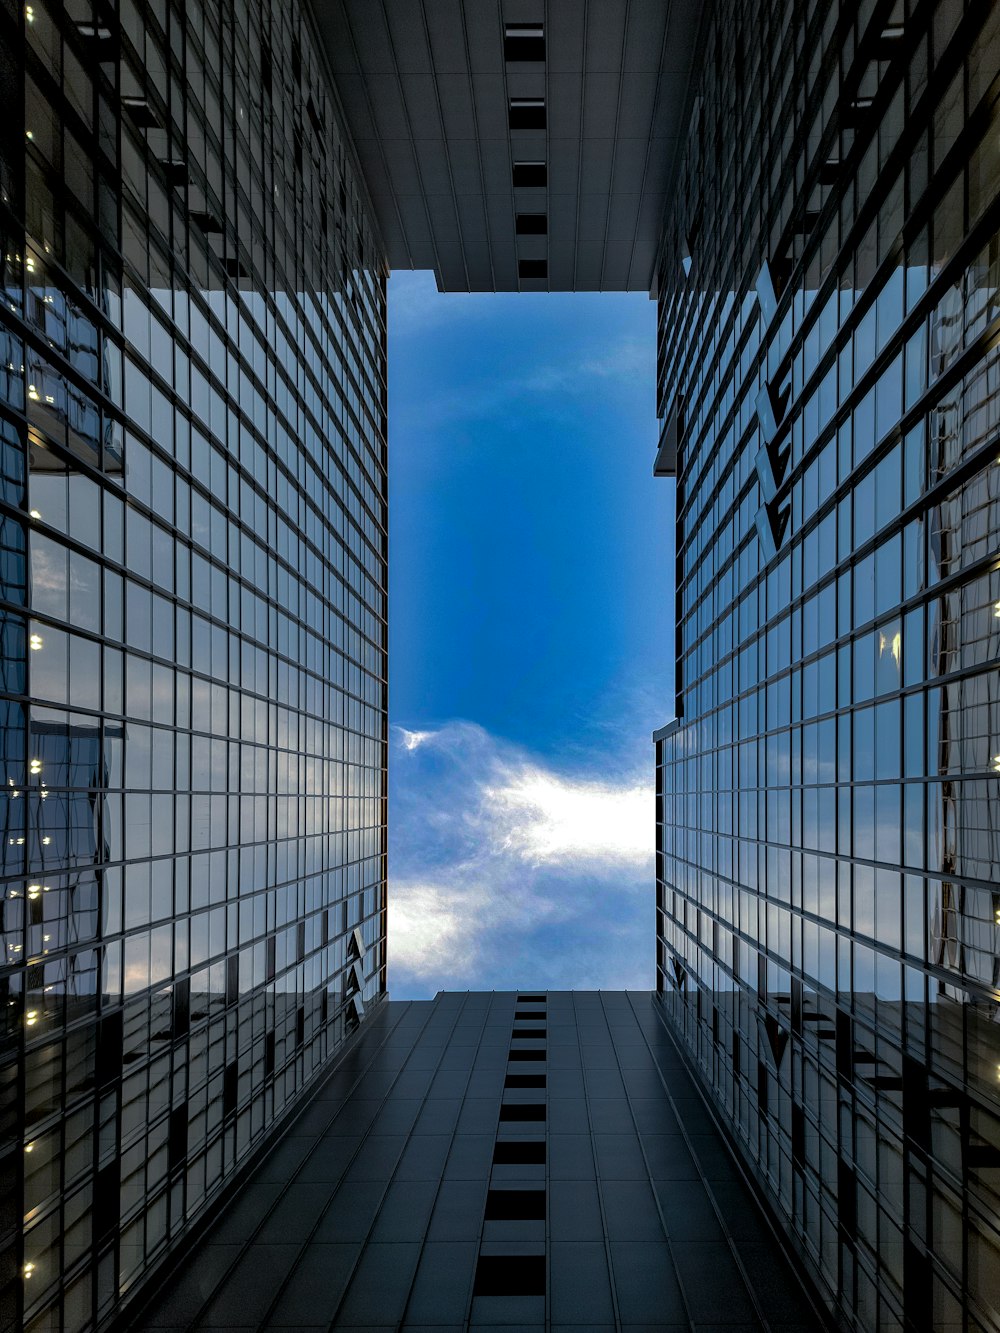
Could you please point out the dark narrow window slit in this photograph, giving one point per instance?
(522, 1111)
(524, 1081)
(510, 1275)
(530, 175)
(531, 224)
(523, 41)
(526, 113)
(519, 1152)
(515, 1206)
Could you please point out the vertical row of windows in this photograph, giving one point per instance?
(524, 46)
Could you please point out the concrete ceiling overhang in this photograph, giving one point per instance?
(426, 89)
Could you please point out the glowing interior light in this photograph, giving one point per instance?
(29, 134)
(996, 610)
(29, 1269)
(29, 14)
(34, 513)
(996, 763)
(36, 641)
(46, 841)
(33, 393)
(32, 1018)
(49, 398)
(31, 264)
(29, 1147)
(35, 766)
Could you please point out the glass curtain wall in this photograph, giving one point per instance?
(828, 892)
(193, 675)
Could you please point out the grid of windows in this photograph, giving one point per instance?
(193, 554)
(828, 839)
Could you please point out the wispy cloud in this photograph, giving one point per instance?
(627, 360)
(411, 739)
(504, 871)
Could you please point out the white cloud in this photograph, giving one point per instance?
(411, 739)
(551, 818)
(505, 871)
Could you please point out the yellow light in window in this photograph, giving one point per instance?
(46, 841)
(28, 134)
(30, 263)
(29, 1269)
(49, 398)
(996, 610)
(35, 766)
(33, 393)
(996, 763)
(34, 513)
(36, 641)
(32, 1019)
(29, 1147)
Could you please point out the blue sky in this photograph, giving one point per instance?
(531, 633)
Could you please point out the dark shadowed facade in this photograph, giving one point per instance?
(496, 1161)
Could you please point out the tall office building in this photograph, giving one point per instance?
(193, 554)
(828, 884)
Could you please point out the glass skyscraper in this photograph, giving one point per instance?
(193, 427)
(828, 884)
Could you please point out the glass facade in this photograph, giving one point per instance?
(828, 835)
(193, 555)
